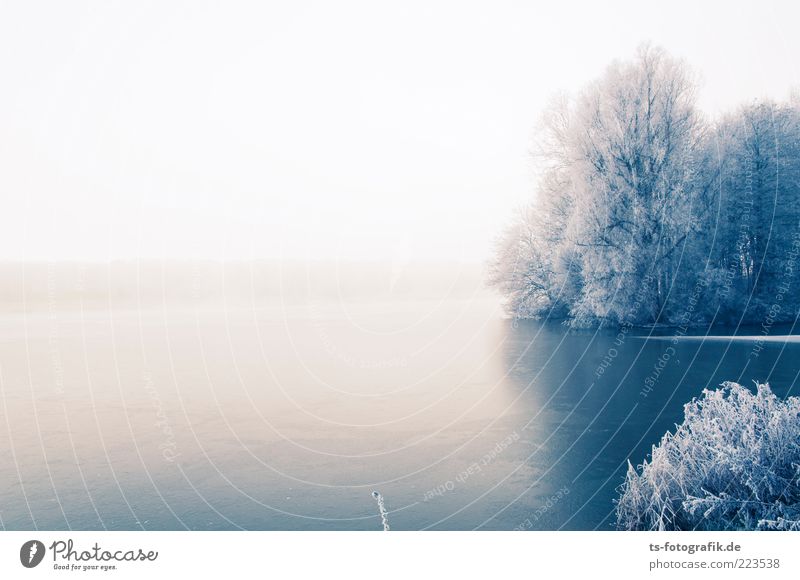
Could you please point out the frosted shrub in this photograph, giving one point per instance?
(733, 464)
(382, 510)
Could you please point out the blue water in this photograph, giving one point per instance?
(289, 417)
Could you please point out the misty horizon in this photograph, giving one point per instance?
(190, 132)
(191, 283)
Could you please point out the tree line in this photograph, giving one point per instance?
(648, 212)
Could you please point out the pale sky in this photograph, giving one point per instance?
(346, 130)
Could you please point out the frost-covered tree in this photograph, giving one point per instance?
(636, 141)
(525, 271)
(759, 191)
(616, 200)
(537, 264)
(642, 207)
(733, 464)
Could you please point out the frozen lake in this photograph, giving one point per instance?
(288, 416)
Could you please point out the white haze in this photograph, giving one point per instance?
(317, 130)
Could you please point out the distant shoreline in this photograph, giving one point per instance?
(743, 338)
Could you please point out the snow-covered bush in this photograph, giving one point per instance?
(733, 464)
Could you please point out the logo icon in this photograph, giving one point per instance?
(31, 553)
